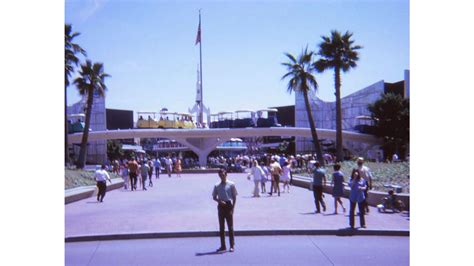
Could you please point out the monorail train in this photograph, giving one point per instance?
(76, 123)
(166, 120)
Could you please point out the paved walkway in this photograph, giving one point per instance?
(185, 205)
(262, 250)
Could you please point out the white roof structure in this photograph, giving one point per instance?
(268, 110)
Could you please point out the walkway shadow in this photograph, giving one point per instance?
(90, 202)
(210, 253)
(307, 213)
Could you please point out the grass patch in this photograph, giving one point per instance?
(78, 178)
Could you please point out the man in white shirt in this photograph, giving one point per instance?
(101, 176)
(225, 194)
(169, 165)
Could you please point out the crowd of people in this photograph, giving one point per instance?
(262, 169)
(279, 170)
(360, 183)
(141, 170)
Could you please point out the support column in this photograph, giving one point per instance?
(202, 146)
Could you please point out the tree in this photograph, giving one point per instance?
(91, 81)
(391, 115)
(302, 80)
(70, 60)
(338, 53)
(114, 150)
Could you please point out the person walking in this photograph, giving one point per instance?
(144, 168)
(319, 181)
(178, 168)
(133, 173)
(101, 176)
(225, 194)
(264, 177)
(157, 165)
(169, 165)
(286, 176)
(357, 196)
(365, 174)
(338, 187)
(124, 173)
(150, 173)
(276, 171)
(257, 173)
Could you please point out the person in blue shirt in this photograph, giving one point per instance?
(319, 180)
(157, 165)
(358, 185)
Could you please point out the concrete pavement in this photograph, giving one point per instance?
(263, 250)
(185, 205)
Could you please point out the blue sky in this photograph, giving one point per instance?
(148, 48)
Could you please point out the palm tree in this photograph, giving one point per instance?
(71, 60)
(302, 80)
(90, 82)
(339, 53)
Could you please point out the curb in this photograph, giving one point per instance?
(335, 232)
(84, 192)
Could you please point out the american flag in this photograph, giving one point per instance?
(198, 37)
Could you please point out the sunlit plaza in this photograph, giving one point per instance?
(211, 127)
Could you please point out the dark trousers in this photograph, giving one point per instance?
(361, 213)
(133, 181)
(318, 198)
(275, 184)
(102, 189)
(225, 213)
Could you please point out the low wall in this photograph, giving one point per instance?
(374, 198)
(79, 193)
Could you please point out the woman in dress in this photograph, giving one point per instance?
(285, 177)
(338, 187)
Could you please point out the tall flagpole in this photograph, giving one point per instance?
(201, 120)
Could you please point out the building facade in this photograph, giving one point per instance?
(353, 107)
(96, 150)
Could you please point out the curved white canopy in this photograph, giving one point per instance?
(268, 110)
